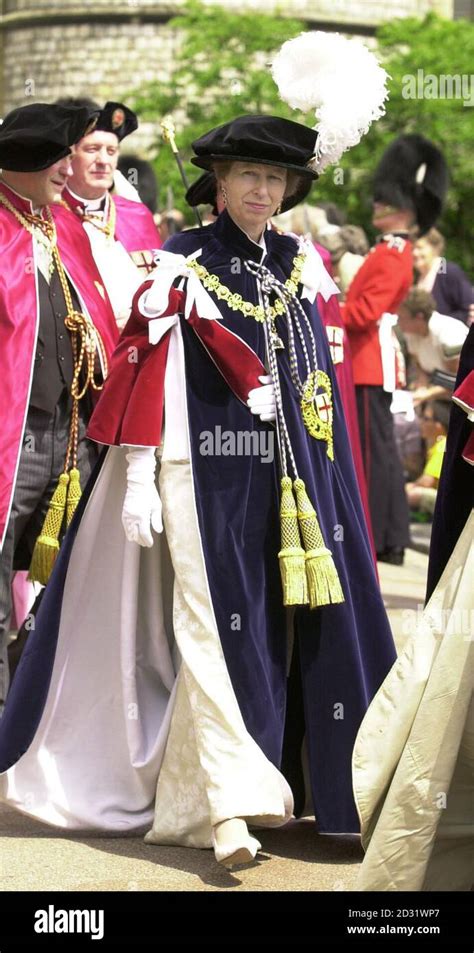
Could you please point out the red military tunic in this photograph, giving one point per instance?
(379, 286)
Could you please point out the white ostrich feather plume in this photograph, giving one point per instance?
(341, 80)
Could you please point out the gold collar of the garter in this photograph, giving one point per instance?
(235, 301)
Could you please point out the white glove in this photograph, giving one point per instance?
(261, 400)
(142, 504)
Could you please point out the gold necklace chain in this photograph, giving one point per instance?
(85, 338)
(108, 227)
(235, 301)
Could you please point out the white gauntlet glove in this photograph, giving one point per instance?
(142, 504)
(261, 400)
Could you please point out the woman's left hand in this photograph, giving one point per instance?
(261, 400)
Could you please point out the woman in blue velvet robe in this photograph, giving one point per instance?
(260, 685)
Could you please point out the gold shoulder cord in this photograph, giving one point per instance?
(86, 342)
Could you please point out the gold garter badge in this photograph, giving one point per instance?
(316, 409)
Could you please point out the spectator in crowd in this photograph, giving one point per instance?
(421, 494)
(407, 434)
(449, 286)
(304, 219)
(312, 220)
(348, 248)
(334, 215)
(169, 223)
(434, 341)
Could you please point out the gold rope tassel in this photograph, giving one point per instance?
(73, 494)
(291, 555)
(324, 585)
(47, 545)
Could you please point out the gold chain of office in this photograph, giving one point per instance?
(105, 222)
(235, 301)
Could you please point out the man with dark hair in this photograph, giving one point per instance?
(409, 187)
(434, 341)
(57, 331)
(122, 232)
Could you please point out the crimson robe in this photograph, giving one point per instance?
(19, 322)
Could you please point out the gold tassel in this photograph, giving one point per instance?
(47, 545)
(291, 555)
(324, 585)
(73, 494)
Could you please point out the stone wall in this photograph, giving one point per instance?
(104, 49)
(103, 61)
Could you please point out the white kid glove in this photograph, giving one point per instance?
(142, 504)
(261, 400)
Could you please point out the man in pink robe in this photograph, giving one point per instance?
(123, 236)
(48, 278)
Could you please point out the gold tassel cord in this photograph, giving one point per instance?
(74, 494)
(291, 555)
(86, 343)
(47, 545)
(324, 586)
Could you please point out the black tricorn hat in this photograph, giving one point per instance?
(413, 174)
(117, 118)
(36, 136)
(203, 192)
(262, 139)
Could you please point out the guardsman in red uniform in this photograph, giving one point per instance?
(122, 233)
(409, 188)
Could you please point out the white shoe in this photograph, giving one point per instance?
(241, 848)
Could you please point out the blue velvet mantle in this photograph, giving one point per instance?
(343, 651)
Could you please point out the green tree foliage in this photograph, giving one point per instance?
(222, 70)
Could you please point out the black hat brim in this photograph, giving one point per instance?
(302, 190)
(207, 162)
(16, 161)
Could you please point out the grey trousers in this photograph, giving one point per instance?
(41, 463)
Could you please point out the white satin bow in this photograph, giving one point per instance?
(170, 267)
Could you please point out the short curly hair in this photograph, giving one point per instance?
(419, 301)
